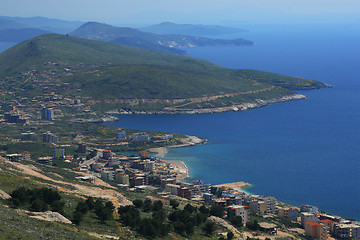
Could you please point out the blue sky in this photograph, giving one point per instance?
(186, 11)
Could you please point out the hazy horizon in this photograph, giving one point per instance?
(228, 12)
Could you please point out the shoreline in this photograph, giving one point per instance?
(233, 108)
(179, 165)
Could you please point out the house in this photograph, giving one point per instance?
(29, 136)
(258, 206)
(45, 160)
(106, 154)
(268, 227)
(238, 210)
(172, 188)
(184, 192)
(316, 230)
(308, 217)
(49, 137)
(208, 197)
(140, 137)
(288, 213)
(107, 175)
(308, 208)
(166, 181)
(137, 181)
(347, 231)
(82, 148)
(329, 224)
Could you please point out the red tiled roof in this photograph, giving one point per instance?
(313, 224)
(326, 221)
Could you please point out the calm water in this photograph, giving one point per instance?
(301, 152)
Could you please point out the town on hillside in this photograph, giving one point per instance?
(63, 131)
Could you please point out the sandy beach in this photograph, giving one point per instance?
(186, 142)
(180, 167)
(160, 151)
(235, 185)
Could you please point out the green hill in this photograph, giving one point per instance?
(114, 75)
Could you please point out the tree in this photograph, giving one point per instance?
(109, 205)
(230, 235)
(217, 211)
(158, 205)
(189, 208)
(104, 214)
(253, 225)
(209, 228)
(58, 206)
(159, 215)
(204, 210)
(82, 207)
(189, 228)
(174, 204)
(179, 227)
(147, 228)
(90, 202)
(77, 218)
(138, 203)
(147, 205)
(236, 221)
(129, 215)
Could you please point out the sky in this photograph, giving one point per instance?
(187, 11)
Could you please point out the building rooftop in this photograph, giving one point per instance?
(314, 224)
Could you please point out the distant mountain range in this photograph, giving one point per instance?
(114, 76)
(191, 29)
(47, 24)
(17, 29)
(152, 41)
(19, 35)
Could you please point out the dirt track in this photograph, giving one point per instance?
(78, 190)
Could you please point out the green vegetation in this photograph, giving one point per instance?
(291, 83)
(109, 76)
(103, 210)
(38, 200)
(153, 219)
(15, 226)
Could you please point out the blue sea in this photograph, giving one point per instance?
(300, 152)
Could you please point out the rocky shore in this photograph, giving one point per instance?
(234, 108)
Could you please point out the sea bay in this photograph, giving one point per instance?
(300, 152)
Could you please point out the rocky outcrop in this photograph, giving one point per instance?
(234, 108)
(4, 195)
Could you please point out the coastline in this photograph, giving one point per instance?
(239, 186)
(178, 165)
(233, 108)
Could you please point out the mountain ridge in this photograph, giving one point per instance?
(191, 29)
(110, 75)
(105, 32)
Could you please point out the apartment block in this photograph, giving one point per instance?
(316, 231)
(308, 217)
(238, 210)
(288, 213)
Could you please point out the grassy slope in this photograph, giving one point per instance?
(128, 72)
